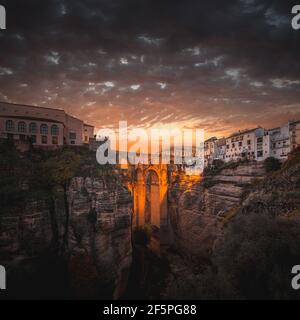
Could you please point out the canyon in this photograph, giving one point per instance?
(93, 249)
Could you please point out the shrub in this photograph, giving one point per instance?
(272, 164)
(257, 255)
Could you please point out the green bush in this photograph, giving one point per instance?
(272, 164)
(256, 257)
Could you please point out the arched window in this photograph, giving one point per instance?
(44, 129)
(32, 128)
(22, 127)
(10, 125)
(54, 130)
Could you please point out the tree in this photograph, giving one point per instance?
(257, 255)
(272, 164)
(14, 172)
(60, 169)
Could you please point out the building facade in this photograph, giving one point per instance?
(280, 141)
(88, 133)
(220, 147)
(254, 144)
(295, 134)
(247, 144)
(210, 151)
(45, 127)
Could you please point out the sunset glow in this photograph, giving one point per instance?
(188, 72)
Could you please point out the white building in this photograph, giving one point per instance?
(220, 149)
(46, 127)
(295, 134)
(214, 149)
(209, 151)
(255, 144)
(246, 144)
(280, 141)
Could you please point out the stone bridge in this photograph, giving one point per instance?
(149, 187)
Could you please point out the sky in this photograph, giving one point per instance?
(215, 65)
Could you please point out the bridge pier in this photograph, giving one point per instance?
(150, 194)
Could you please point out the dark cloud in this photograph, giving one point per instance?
(219, 64)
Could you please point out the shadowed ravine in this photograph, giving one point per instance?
(222, 227)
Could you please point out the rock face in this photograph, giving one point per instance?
(25, 232)
(97, 258)
(100, 235)
(198, 210)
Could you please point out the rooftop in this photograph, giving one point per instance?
(43, 108)
(211, 139)
(31, 106)
(244, 132)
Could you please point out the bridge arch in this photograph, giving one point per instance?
(152, 210)
(150, 195)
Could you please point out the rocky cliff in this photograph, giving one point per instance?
(198, 210)
(241, 226)
(97, 259)
(100, 235)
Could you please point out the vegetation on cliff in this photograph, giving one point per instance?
(39, 173)
(64, 223)
(44, 175)
(259, 244)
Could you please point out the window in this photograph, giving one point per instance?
(33, 139)
(248, 142)
(86, 139)
(72, 142)
(54, 130)
(259, 140)
(259, 153)
(233, 145)
(32, 127)
(72, 135)
(10, 125)
(240, 144)
(227, 146)
(44, 129)
(22, 137)
(54, 140)
(44, 140)
(21, 126)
